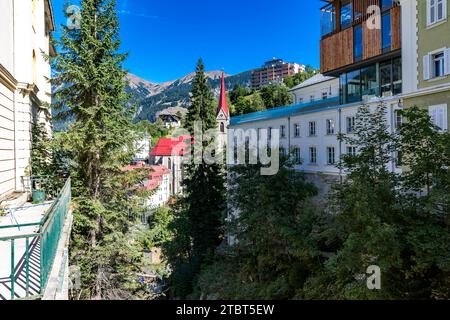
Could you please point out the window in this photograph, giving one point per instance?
(398, 120)
(312, 128)
(383, 79)
(398, 159)
(330, 127)
(222, 127)
(386, 4)
(313, 155)
(331, 156)
(386, 31)
(269, 134)
(436, 11)
(325, 95)
(351, 151)
(386, 79)
(354, 86)
(283, 131)
(358, 42)
(369, 83)
(312, 98)
(346, 13)
(351, 121)
(259, 133)
(327, 20)
(283, 151)
(296, 130)
(438, 116)
(397, 76)
(436, 64)
(297, 155)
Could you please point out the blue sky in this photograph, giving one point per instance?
(166, 37)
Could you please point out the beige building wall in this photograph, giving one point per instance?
(25, 30)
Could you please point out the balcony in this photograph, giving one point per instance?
(32, 239)
(358, 32)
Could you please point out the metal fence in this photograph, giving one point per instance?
(48, 236)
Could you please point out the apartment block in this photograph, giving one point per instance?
(274, 71)
(427, 51)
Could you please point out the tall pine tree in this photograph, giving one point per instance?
(89, 76)
(199, 218)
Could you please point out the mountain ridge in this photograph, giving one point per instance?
(151, 97)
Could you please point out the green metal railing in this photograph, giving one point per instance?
(50, 229)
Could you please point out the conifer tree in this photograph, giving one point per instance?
(89, 75)
(199, 219)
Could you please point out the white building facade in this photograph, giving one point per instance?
(25, 32)
(309, 131)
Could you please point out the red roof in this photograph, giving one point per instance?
(155, 177)
(171, 147)
(223, 104)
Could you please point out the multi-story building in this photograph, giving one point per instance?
(316, 88)
(170, 154)
(25, 32)
(143, 149)
(426, 51)
(360, 64)
(158, 181)
(33, 238)
(361, 44)
(274, 71)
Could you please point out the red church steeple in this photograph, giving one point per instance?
(223, 104)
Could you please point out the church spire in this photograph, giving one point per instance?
(223, 104)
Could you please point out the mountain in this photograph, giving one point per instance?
(153, 97)
(150, 97)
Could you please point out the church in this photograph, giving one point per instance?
(223, 114)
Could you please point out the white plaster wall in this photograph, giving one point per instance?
(409, 46)
(6, 34)
(162, 194)
(316, 90)
(20, 34)
(321, 141)
(7, 152)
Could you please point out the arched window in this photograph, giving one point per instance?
(222, 127)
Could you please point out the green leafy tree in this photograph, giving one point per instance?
(274, 227)
(300, 77)
(90, 77)
(198, 218)
(275, 96)
(388, 220)
(249, 104)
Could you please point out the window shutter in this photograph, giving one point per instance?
(432, 114)
(426, 67)
(445, 9)
(441, 15)
(442, 116)
(447, 61)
